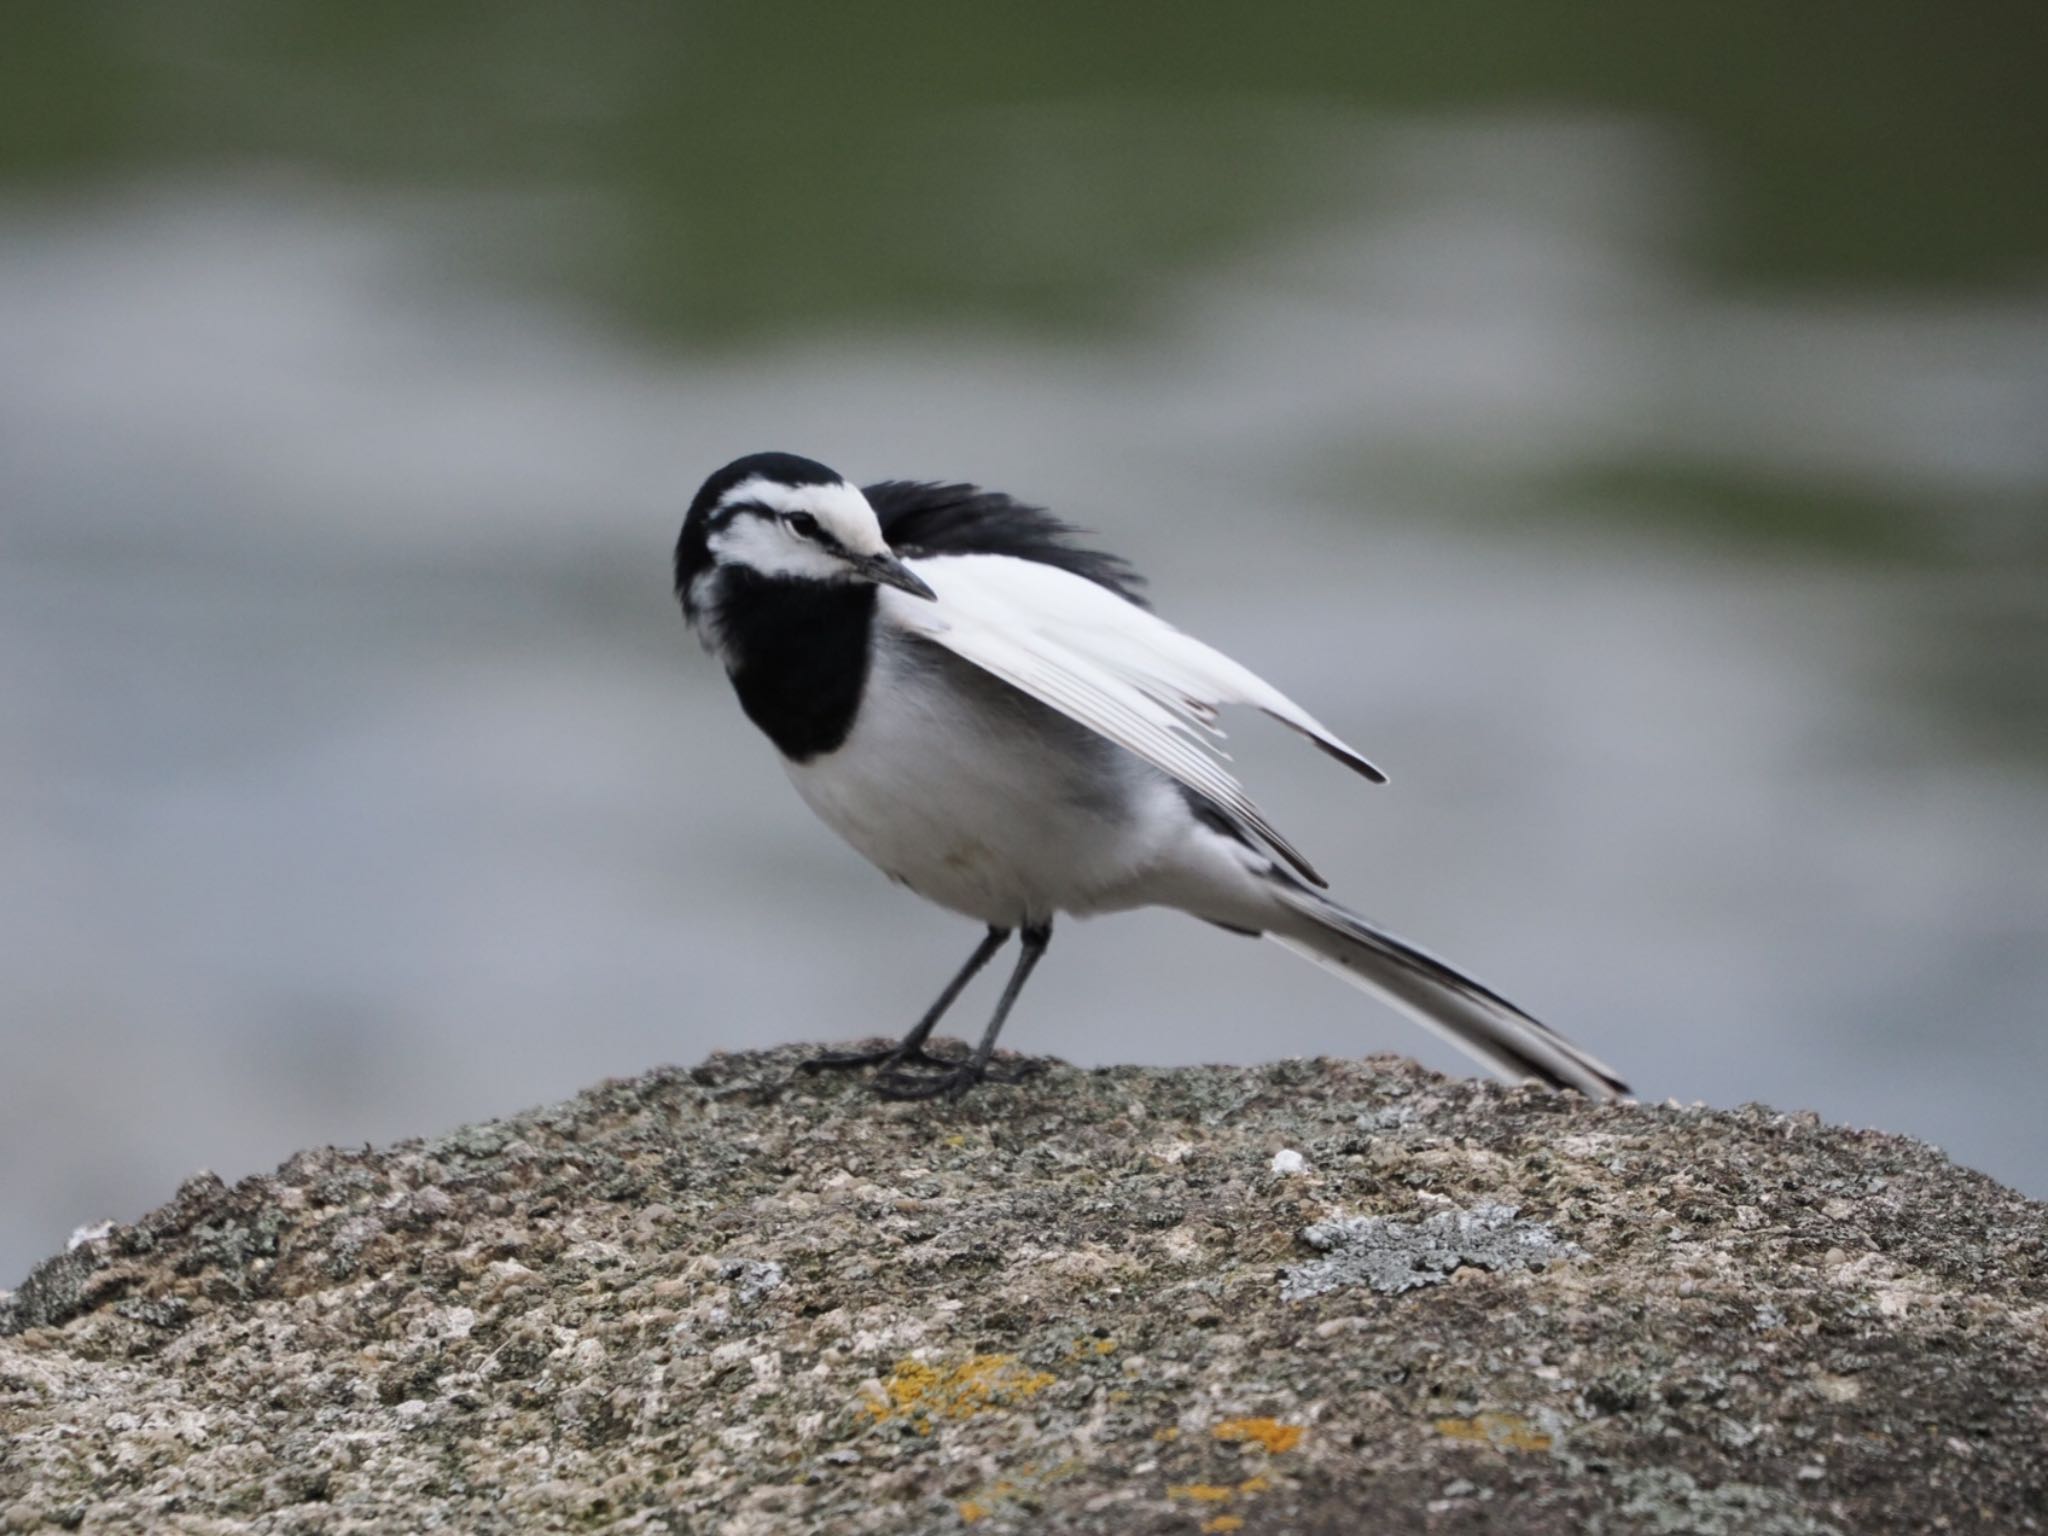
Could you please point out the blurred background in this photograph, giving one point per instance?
(1634, 436)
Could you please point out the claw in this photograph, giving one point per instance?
(954, 1084)
(889, 1057)
(1015, 1074)
(950, 1085)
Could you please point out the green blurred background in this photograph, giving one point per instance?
(1626, 422)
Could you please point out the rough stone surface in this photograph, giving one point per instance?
(736, 1300)
(1395, 1256)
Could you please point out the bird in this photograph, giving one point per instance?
(987, 709)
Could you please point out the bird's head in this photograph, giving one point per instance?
(778, 518)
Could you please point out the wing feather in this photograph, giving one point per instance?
(1114, 667)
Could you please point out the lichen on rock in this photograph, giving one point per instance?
(1395, 1256)
(739, 1300)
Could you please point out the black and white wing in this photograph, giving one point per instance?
(1114, 667)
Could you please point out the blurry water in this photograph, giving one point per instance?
(358, 777)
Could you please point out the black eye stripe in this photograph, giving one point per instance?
(804, 524)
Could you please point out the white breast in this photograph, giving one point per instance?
(983, 800)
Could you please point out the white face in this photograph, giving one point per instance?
(841, 524)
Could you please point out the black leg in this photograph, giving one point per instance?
(910, 1049)
(955, 1083)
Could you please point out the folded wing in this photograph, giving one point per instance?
(1117, 669)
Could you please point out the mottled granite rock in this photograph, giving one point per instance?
(736, 1300)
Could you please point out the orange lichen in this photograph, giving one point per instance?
(922, 1392)
(1217, 1493)
(1031, 1478)
(1502, 1431)
(1167, 1435)
(1271, 1433)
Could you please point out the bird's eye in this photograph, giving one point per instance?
(802, 524)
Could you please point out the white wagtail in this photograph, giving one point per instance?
(987, 711)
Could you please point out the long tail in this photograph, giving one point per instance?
(1480, 1022)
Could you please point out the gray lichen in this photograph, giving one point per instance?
(1395, 1256)
(736, 1300)
(1661, 1502)
(756, 1278)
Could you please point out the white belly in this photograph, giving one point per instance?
(984, 801)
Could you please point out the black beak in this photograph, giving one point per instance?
(888, 571)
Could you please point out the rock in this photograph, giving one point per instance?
(1396, 1256)
(740, 1300)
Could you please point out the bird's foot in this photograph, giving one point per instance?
(889, 1057)
(953, 1084)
